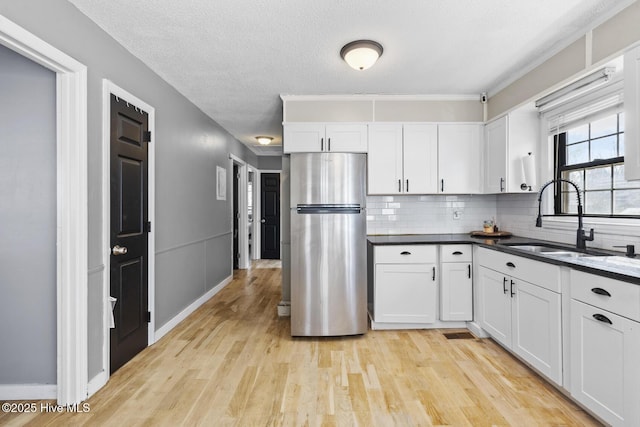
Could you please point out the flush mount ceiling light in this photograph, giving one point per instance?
(264, 140)
(361, 54)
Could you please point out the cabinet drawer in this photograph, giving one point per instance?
(455, 253)
(538, 272)
(608, 294)
(405, 254)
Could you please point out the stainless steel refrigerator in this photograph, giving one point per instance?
(328, 244)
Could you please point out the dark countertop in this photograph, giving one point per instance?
(605, 263)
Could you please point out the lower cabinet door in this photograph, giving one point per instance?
(605, 364)
(456, 291)
(537, 328)
(405, 293)
(494, 300)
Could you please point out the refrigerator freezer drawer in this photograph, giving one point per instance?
(328, 274)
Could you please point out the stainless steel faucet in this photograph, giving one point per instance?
(581, 237)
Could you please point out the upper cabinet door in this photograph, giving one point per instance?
(495, 171)
(321, 137)
(632, 114)
(460, 158)
(347, 138)
(420, 158)
(384, 161)
(304, 138)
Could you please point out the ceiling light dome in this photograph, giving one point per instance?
(264, 140)
(361, 54)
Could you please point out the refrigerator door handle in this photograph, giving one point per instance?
(328, 209)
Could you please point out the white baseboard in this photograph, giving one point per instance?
(28, 391)
(164, 329)
(385, 326)
(97, 382)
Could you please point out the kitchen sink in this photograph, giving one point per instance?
(555, 251)
(537, 248)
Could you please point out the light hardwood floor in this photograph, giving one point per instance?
(233, 363)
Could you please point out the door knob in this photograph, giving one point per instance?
(263, 220)
(119, 250)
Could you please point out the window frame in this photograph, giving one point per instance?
(560, 167)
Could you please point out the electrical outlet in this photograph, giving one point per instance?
(457, 214)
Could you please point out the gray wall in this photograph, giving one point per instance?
(27, 221)
(193, 249)
(273, 163)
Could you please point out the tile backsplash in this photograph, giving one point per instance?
(434, 214)
(517, 213)
(428, 214)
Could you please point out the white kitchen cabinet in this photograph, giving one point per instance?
(605, 347)
(420, 158)
(495, 162)
(537, 328)
(508, 141)
(494, 311)
(456, 283)
(384, 160)
(321, 137)
(459, 158)
(405, 284)
(520, 307)
(632, 114)
(402, 159)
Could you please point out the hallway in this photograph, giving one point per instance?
(232, 362)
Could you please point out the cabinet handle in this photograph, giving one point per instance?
(328, 144)
(510, 264)
(405, 253)
(399, 186)
(512, 293)
(321, 144)
(434, 274)
(501, 185)
(456, 253)
(442, 185)
(504, 285)
(407, 186)
(469, 270)
(602, 318)
(600, 291)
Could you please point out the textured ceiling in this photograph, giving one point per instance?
(234, 58)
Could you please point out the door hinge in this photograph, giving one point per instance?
(146, 136)
(148, 317)
(148, 227)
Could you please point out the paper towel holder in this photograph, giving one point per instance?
(528, 173)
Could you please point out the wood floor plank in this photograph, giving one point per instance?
(233, 363)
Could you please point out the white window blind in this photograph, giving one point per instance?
(603, 101)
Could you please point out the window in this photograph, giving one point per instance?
(592, 156)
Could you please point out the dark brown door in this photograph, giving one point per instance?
(270, 216)
(236, 217)
(129, 230)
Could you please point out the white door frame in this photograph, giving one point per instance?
(109, 88)
(253, 253)
(243, 226)
(71, 210)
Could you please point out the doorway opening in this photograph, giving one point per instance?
(71, 215)
(239, 214)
